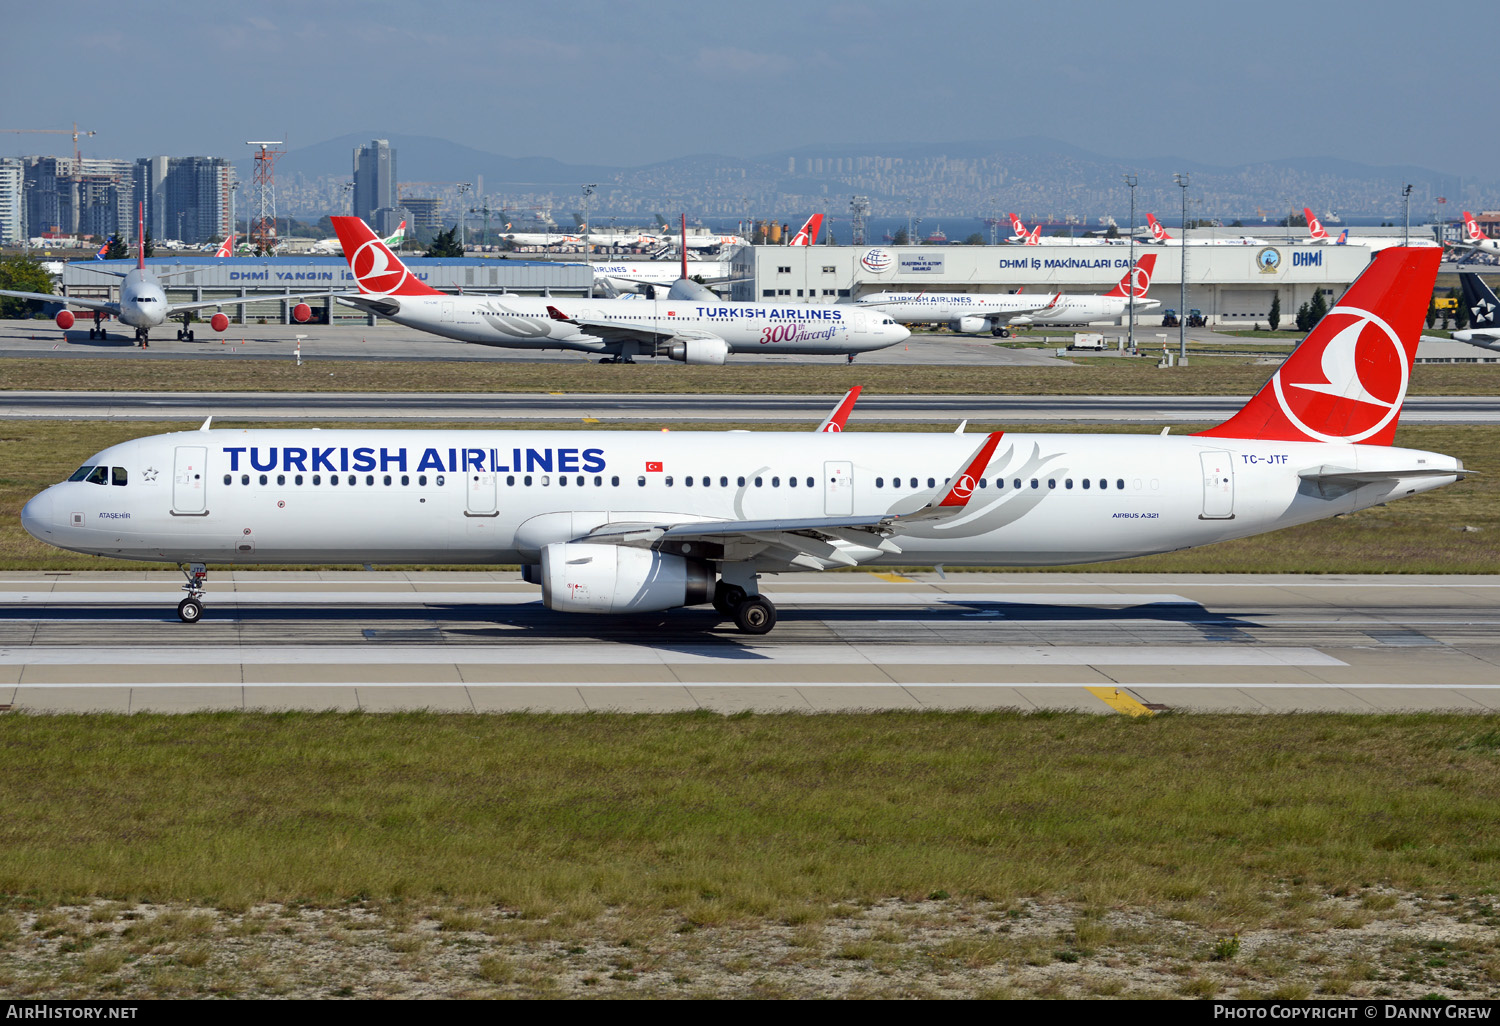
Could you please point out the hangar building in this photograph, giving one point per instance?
(203, 277)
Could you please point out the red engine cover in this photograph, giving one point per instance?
(301, 313)
(65, 319)
(218, 322)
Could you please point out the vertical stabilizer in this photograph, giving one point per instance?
(1347, 379)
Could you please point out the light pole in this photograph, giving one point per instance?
(1130, 180)
(1406, 195)
(588, 192)
(463, 219)
(349, 196)
(1181, 178)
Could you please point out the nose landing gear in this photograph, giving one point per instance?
(190, 609)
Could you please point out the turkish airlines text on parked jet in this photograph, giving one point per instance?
(967, 312)
(630, 522)
(1064, 308)
(1161, 235)
(143, 302)
(692, 331)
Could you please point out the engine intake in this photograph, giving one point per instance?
(580, 577)
(699, 351)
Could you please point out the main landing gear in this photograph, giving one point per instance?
(618, 359)
(190, 609)
(1000, 332)
(752, 614)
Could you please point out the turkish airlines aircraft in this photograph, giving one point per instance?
(1475, 240)
(638, 521)
(967, 312)
(1164, 237)
(1316, 233)
(143, 302)
(1081, 309)
(807, 235)
(1034, 237)
(690, 330)
(226, 248)
(634, 275)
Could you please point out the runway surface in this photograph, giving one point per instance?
(387, 341)
(1106, 643)
(656, 408)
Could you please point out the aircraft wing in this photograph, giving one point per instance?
(814, 543)
(609, 331)
(241, 300)
(107, 305)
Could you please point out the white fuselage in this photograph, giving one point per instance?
(523, 322)
(496, 496)
(143, 304)
(627, 274)
(1081, 309)
(913, 308)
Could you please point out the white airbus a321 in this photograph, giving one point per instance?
(625, 522)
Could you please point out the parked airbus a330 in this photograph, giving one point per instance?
(692, 330)
(622, 522)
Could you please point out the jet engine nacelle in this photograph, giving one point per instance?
(580, 577)
(301, 313)
(65, 320)
(968, 325)
(219, 322)
(699, 351)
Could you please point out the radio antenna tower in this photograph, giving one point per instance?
(263, 228)
(859, 208)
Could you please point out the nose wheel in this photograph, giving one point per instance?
(190, 609)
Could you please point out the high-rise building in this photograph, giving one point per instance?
(186, 198)
(424, 212)
(12, 174)
(374, 178)
(94, 198)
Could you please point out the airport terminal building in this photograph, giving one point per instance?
(193, 278)
(1231, 284)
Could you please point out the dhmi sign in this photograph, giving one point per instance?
(920, 263)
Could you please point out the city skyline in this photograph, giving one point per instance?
(585, 82)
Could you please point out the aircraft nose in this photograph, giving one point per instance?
(36, 516)
(902, 333)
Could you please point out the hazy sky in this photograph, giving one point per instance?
(619, 82)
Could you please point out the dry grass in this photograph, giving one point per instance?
(1085, 376)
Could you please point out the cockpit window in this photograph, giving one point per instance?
(99, 476)
(118, 475)
(81, 473)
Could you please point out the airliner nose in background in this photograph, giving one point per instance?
(689, 330)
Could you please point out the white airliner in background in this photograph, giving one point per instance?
(640, 521)
(143, 302)
(332, 247)
(1076, 308)
(1034, 237)
(691, 330)
(1165, 238)
(1474, 239)
(1318, 235)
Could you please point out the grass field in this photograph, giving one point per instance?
(1226, 376)
(1452, 530)
(780, 855)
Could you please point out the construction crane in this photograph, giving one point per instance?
(74, 132)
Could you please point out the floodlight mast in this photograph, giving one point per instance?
(263, 230)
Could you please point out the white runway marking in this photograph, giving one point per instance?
(624, 654)
(739, 684)
(413, 596)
